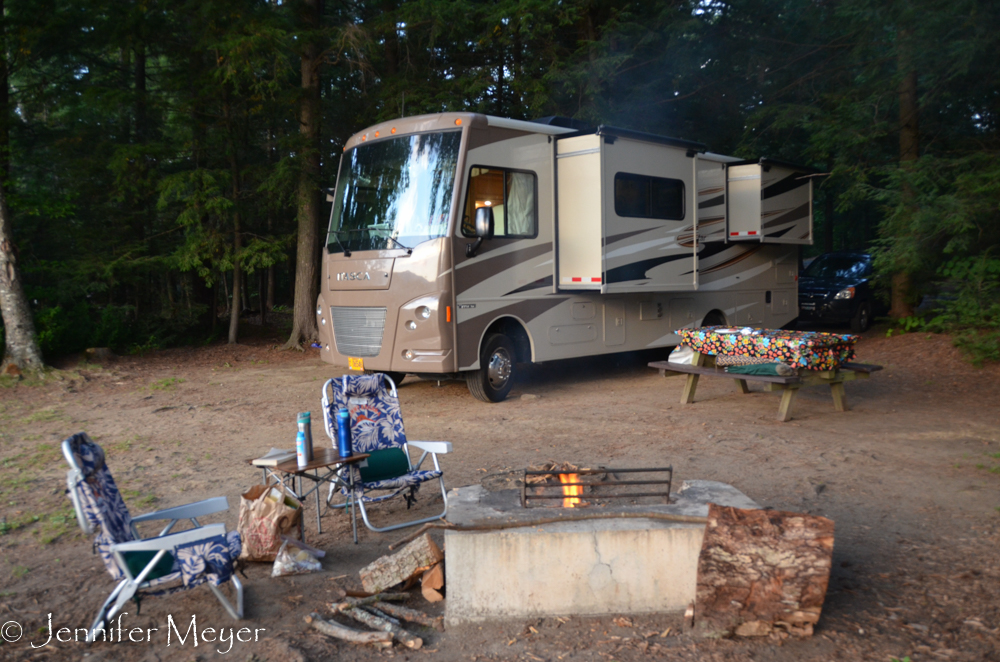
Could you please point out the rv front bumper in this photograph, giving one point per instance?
(358, 333)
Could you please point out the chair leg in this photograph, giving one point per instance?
(364, 514)
(121, 595)
(237, 611)
(102, 615)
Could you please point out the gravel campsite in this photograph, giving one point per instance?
(910, 476)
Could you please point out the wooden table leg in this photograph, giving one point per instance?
(742, 385)
(839, 398)
(785, 408)
(687, 396)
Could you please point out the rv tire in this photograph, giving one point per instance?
(497, 369)
(396, 377)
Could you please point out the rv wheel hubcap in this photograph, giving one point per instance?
(498, 370)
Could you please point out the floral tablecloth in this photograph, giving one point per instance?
(800, 349)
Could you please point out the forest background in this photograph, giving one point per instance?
(163, 161)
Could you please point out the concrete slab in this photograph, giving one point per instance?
(628, 565)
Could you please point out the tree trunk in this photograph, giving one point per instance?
(262, 297)
(828, 204)
(304, 327)
(4, 105)
(909, 145)
(140, 93)
(234, 309)
(21, 353)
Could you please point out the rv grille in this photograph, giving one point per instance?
(358, 331)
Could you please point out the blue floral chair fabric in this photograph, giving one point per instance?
(377, 428)
(175, 561)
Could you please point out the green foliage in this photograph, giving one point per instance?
(150, 137)
(968, 307)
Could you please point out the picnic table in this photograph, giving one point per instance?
(815, 359)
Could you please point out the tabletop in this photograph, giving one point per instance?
(811, 350)
(323, 457)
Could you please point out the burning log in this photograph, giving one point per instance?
(331, 629)
(761, 570)
(412, 560)
(571, 491)
(358, 613)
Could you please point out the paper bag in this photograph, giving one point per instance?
(266, 513)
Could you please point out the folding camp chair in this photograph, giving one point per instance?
(204, 554)
(377, 428)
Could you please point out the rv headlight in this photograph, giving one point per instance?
(846, 293)
(410, 325)
(319, 310)
(322, 320)
(408, 355)
(423, 312)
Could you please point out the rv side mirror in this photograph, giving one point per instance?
(484, 230)
(484, 222)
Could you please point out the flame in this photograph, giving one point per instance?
(571, 492)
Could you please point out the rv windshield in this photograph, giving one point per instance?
(394, 193)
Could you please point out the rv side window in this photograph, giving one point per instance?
(513, 196)
(640, 196)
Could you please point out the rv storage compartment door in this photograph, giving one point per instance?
(769, 203)
(579, 222)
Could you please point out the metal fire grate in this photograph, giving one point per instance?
(358, 331)
(604, 486)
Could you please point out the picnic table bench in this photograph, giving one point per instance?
(704, 364)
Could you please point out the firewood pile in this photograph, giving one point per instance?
(419, 562)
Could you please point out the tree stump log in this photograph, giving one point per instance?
(413, 559)
(761, 570)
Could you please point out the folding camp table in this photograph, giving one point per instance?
(325, 467)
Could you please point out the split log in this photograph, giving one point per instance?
(760, 570)
(411, 615)
(339, 631)
(399, 634)
(413, 559)
(350, 602)
(432, 582)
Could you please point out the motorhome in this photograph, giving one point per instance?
(462, 244)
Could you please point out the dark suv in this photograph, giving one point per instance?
(835, 288)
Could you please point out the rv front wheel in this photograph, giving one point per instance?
(497, 369)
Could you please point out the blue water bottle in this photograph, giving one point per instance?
(344, 433)
(300, 449)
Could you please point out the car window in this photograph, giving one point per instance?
(838, 266)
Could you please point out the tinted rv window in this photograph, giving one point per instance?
(513, 196)
(640, 196)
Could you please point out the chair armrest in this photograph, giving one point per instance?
(432, 446)
(162, 545)
(168, 542)
(197, 509)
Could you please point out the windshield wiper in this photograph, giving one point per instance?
(347, 253)
(409, 251)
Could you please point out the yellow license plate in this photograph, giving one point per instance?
(355, 364)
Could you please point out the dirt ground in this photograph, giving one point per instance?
(910, 475)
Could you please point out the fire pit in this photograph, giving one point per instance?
(633, 554)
